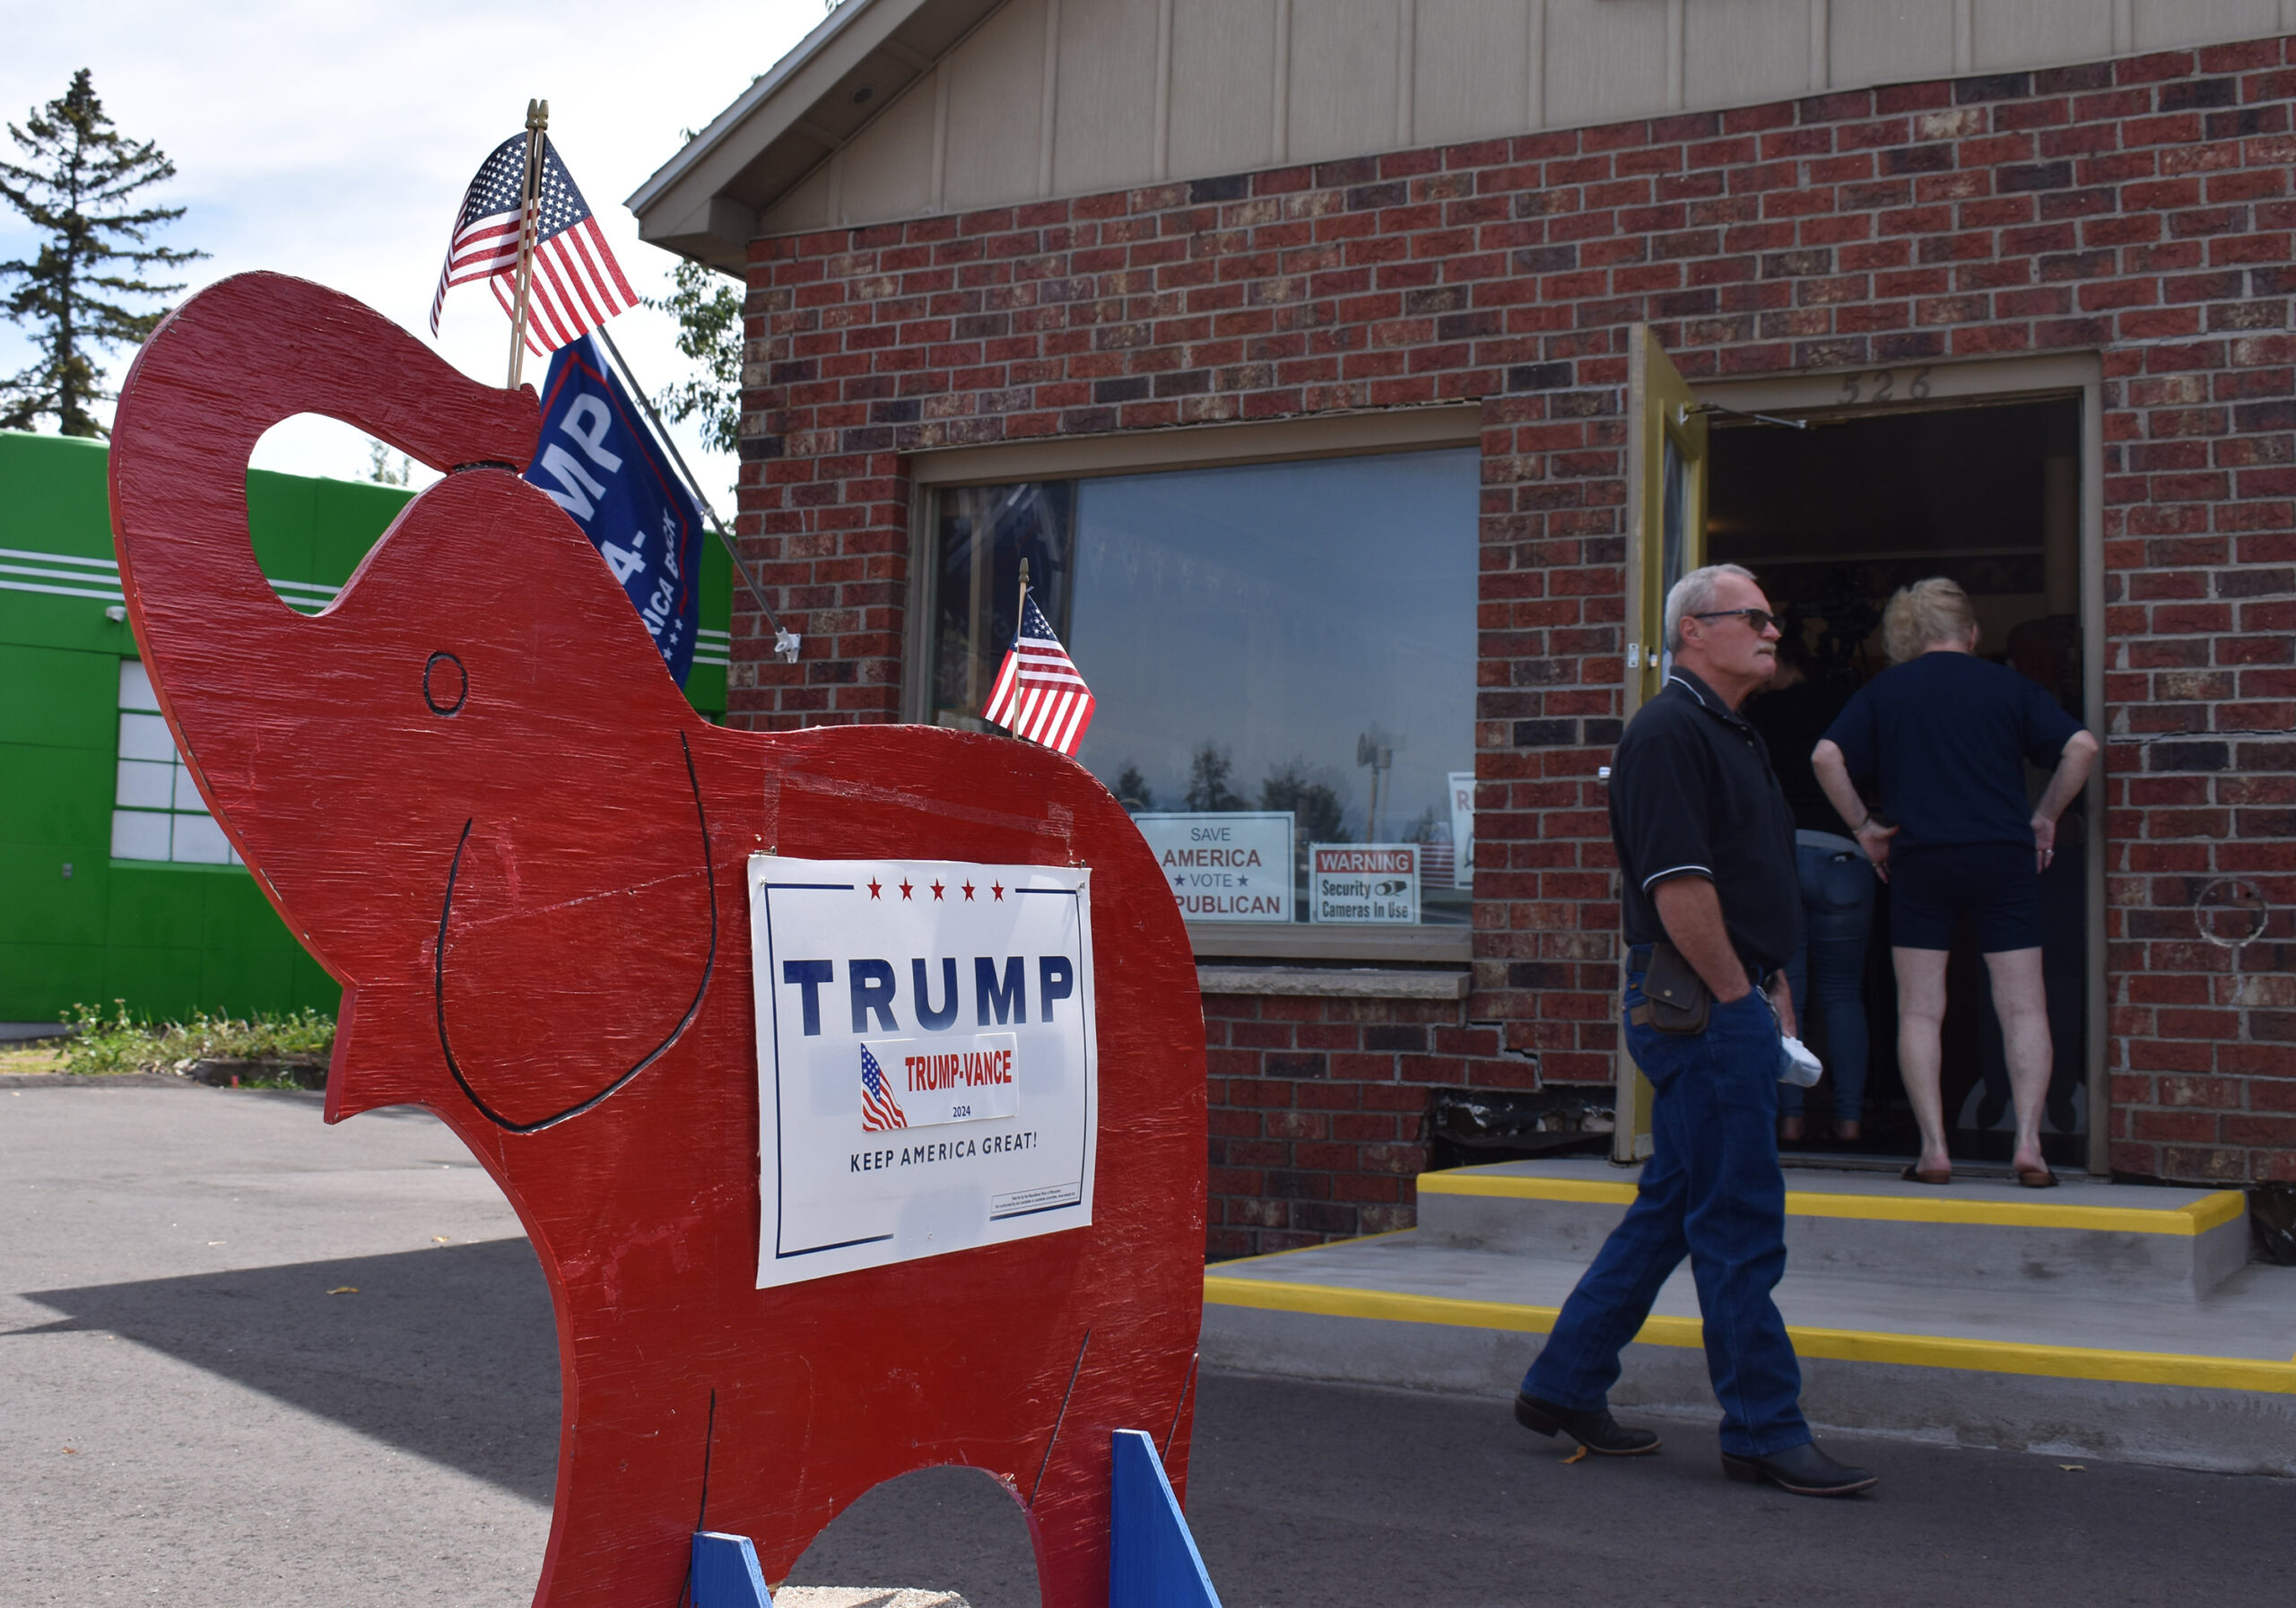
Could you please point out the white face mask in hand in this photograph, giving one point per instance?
(1796, 1065)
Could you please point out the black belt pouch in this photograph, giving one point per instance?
(1677, 995)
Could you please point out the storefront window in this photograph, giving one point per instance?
(1284, 659)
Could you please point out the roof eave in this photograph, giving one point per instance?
(790, 120)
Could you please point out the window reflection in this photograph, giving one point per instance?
(1295, 638)
(986, 532)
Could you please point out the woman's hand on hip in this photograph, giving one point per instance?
(2044, 842)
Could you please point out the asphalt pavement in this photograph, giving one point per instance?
(249, 1359)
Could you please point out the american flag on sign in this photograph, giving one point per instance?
(879, 1114)
(1038, 694)
(577, 285)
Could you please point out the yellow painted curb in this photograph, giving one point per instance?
(1845, 1346)
(2207, 1212)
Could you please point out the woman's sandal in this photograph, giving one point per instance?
(1914, 1175)
(2036, 1178)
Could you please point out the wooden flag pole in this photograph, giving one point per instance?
(1021, 613)
(529, 220)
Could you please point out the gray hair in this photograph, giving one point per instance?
(1693, 593)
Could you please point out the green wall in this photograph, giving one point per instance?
(75, 924)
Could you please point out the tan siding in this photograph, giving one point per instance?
(1602, 57)
(1224, 85)
(1471, 72)
(804, 208)
(1246, 85)
(2162, 23)
(1105, 128)
(2012, 32)
(1895, 42)
(996, 108)
(1343, 78)
(1737, 51)
(893, 179)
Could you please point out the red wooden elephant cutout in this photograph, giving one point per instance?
(471, 789)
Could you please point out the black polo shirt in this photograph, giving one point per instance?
(1693, 794)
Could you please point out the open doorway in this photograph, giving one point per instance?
(1834, 517)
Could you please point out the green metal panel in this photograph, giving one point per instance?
(159, 906)
(55, 795)
(242, 980)
(51, 699)
(705, 684)
(239, 917)
(40, 981)
(76, 624)
(42, 903)
(162, 984)
(56, 500)
(281, 510)
(311, 986)
(347, 516)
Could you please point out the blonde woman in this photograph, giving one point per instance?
(1940, 735)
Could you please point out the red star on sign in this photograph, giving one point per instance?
(905, 889)
(876, 889)
(936, 889)
(998, 889)
(967, 890)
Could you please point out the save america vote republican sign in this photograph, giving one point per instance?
(925, 1058)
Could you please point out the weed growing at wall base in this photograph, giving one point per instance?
(104, 1044)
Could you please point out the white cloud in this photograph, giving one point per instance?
(335, 142)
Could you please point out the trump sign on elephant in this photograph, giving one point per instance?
(925, 1058)
(572, 990)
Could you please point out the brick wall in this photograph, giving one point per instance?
(2140, 207)
(1318, 1111)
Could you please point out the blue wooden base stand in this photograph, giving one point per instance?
(1152, 1561)
(725, 1574)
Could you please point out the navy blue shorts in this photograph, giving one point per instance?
(1993, 886)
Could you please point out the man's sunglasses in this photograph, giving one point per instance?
(1761, 620)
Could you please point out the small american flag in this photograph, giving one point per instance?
(1038, 694)
(879, 1114)
(576, 285)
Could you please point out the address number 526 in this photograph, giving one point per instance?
(1885, 384)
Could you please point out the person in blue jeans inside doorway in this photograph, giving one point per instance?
(1711, 911)
(1828, 967)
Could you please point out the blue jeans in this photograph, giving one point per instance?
(1829, 968)
(1710, 1191)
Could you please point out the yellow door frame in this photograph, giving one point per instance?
(1665, 528)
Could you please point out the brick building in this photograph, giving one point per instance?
(1394, 353)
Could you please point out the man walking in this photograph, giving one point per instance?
(1706, 847)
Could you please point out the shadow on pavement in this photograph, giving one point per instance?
(451, 1353)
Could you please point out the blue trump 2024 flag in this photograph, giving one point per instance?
(597, 462)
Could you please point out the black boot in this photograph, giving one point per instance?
(1802, 1470)
(1594, 1429)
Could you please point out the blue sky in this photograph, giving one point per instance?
(335, 142)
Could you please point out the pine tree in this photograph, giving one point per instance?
(1207, 780)
(94, 251)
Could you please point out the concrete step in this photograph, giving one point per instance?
(2088, 1239)
(2079, 1369)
